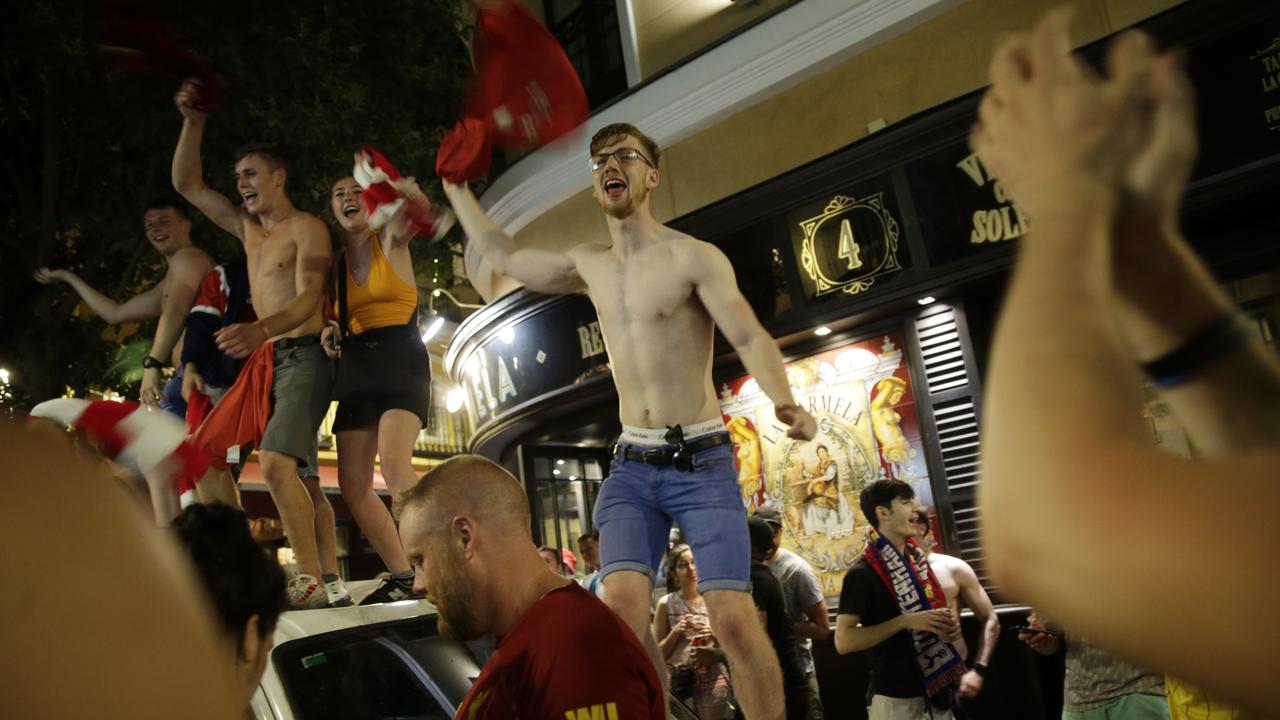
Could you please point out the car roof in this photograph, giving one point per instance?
(297, 624)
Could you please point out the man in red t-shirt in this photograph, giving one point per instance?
(561, 653)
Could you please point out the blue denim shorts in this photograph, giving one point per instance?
(638, 503)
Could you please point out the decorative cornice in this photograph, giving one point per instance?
(771, 57)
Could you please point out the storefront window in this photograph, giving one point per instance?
(756, 256)
(563, 485)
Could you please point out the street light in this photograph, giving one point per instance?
(435, 320)
(453, 401)
(433, 328)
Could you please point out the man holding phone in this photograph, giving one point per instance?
(1098, 685)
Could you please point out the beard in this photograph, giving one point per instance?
(453, 601)
(635, 194)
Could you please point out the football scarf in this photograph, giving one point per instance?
(915, 588)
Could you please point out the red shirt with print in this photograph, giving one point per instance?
(568, 658)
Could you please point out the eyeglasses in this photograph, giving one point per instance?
(624, 155)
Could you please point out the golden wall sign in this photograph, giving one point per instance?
(1269, 66)
(850, 244)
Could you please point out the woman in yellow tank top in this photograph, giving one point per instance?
(383, 422)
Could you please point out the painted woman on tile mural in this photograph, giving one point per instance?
(826, 510)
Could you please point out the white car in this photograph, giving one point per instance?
(377, 661)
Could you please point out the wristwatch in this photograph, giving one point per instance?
(150, 363)
(979, 668)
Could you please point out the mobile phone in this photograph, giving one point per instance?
(1029, 629)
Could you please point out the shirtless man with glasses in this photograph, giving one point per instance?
(660, 294)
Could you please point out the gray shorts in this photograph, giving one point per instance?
(311, 469)
(302, 381)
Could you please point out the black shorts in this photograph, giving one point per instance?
(405, 380)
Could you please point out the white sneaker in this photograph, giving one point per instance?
(306, 593)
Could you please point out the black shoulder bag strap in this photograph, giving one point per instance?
(342, 295)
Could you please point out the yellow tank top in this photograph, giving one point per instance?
(384, 299)
(1187, 702)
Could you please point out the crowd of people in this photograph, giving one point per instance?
(254, 341)
(1099, 160)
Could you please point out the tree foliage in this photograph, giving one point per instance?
(90, 146)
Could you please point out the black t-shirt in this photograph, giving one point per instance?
(767, 593)
(894, 670)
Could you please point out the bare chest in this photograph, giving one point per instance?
(641, 291)
(946, 579)
(270, 257)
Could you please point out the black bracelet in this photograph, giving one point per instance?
(1221, 338)
(150, 363)
(979, 668)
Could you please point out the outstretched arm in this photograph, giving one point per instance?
(541, 270)
(142, 306)
(1061, 486)
(717, 288)
(188, 176)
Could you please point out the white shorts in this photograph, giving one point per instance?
(884, 707)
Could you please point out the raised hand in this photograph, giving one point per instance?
(188, 101)
(1158, 174)
(1051, 129)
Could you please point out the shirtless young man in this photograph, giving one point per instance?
(288, 257)
(960, 582)
(659, 294)
(169, 230)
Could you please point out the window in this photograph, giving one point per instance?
(563, 483)
(391, 670)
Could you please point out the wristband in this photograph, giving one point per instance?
(1221, 338)
(980, 668)
(150, 363)
(263, 327)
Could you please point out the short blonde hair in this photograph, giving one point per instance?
(471, 485)
(617, 132)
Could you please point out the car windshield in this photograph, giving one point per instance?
(399, 669)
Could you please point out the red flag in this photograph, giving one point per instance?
(525, 93)
(140, 40)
